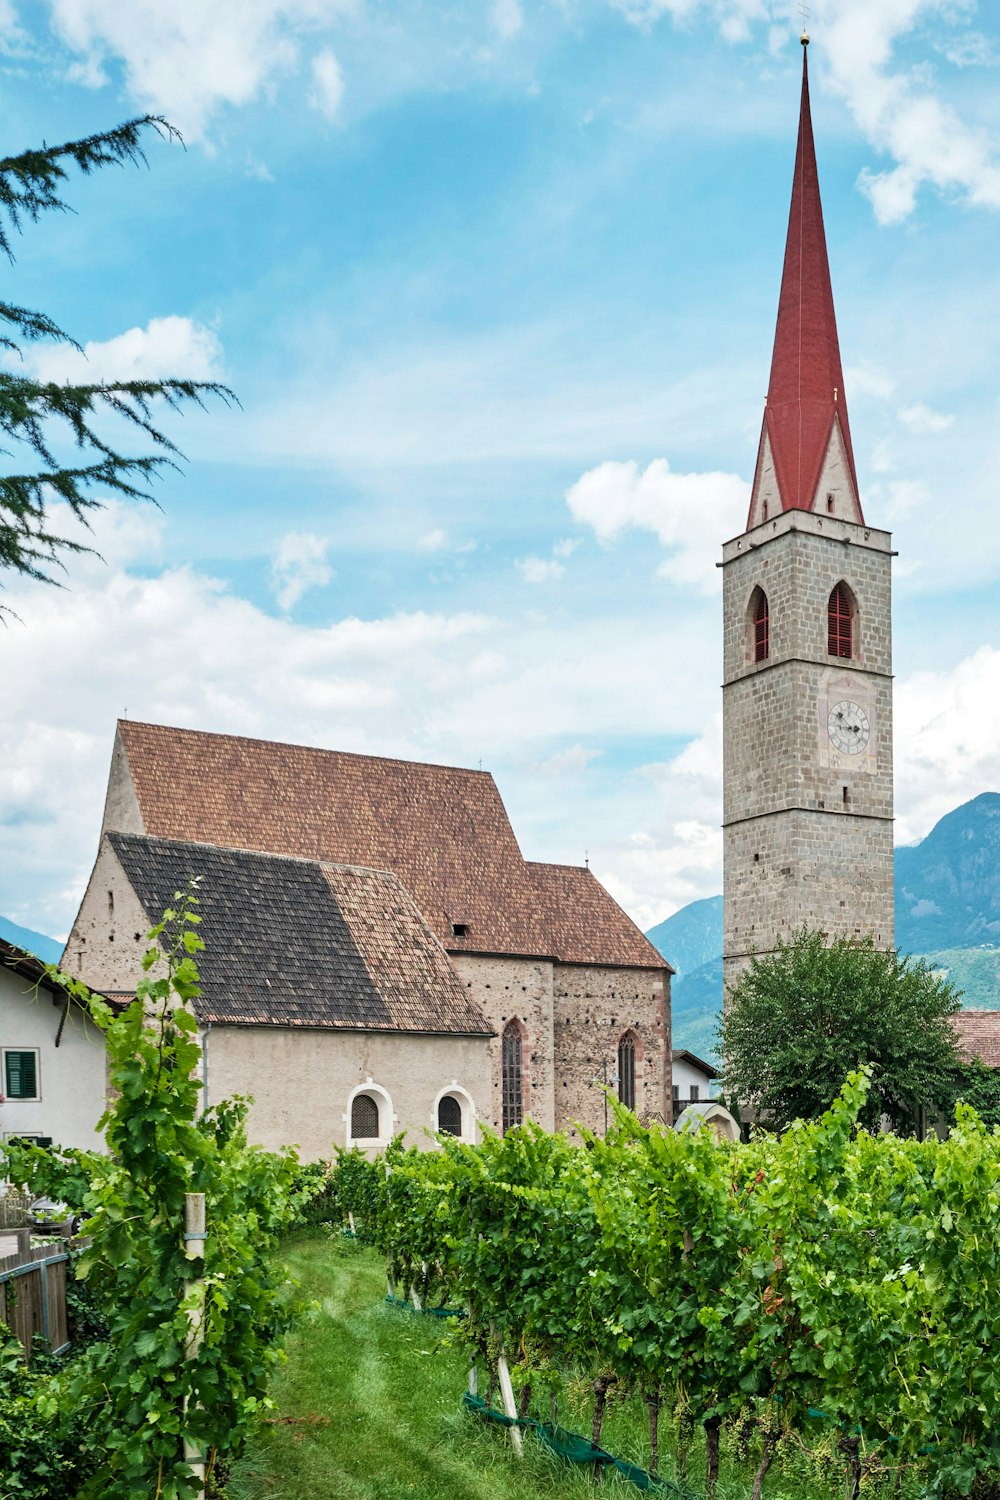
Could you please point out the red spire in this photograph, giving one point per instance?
(805, 398)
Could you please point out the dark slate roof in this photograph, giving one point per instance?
(442, 830)
(292, 942)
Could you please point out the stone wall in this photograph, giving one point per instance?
(518, 989)
(594, 1008)
(808, 828)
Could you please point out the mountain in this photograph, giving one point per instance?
(948, 885)
(947, 893)
(692, 936)
(45, 948)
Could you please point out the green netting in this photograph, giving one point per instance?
(573, 1447)
(408, 1307)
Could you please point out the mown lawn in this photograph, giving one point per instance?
(368, 1407)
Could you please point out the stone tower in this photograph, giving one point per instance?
(807, 694)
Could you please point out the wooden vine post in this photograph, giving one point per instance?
(194, 1249)
(509, 1404)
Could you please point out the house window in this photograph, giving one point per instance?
(510, 1075)
(449, 1116)
(839, 622)
(676, 1091)
(760, 631)
(364, 1118)
(20, 1074)
(695, 1092)
(626, 1070)
(460, 929)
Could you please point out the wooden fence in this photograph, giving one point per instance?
(33, 1294)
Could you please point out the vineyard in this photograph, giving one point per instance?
(827, 1288)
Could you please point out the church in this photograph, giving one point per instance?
(807, 640)
(381, 956)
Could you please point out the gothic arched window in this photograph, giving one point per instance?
(626, 1070)
(840, 622)
(760, 639)
(449, 1116)
(510, 1075)
(364, 1118)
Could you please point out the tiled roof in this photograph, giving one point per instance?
(978, 1033)
(443, 831)
(293, 942)
(585, 925)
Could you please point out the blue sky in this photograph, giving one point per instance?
(495, 284)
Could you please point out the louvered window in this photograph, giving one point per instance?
(761, 627)
(626, 1070)
(449, 1116)
(364, 1118)
(510, 1075)
(839, 631)
(20, 1074)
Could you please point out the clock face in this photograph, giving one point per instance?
(849, 727)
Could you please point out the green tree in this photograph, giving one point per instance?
(60, 430)
(979, 1086)
(799, 1019)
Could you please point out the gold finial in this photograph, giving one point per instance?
(804, 13)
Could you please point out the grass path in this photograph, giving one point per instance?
(367, 1407)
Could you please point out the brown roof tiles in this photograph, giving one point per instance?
(443, 831)
(978, 1034)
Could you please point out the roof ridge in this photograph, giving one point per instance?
(292, 859)
(251, 739)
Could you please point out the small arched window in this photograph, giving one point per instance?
(364, 1118)
(760, 637)
(626, 1070)
(510, 1076)
(449, 1116)
(840, 623)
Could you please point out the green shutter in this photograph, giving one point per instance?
(22, 1075)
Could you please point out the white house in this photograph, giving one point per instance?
(52, 1058)
(692, 1080)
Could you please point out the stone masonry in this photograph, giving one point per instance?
(807, 830)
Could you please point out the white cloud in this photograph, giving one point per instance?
(506, 18)
(868, 381)
(566, 547)
(259, 171)
(171, 346)
(689, 513)
(897, 107)
(539, 569)
(677, 855)
(328, 84)
(569, 762)
(172, 645)
(438, 540)
(921, 419)
(971, 50)
(187, 59)
(947, 740)
(299, 564)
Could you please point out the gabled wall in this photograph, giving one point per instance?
(70, 1077)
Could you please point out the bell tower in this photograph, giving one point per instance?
(807, 679)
